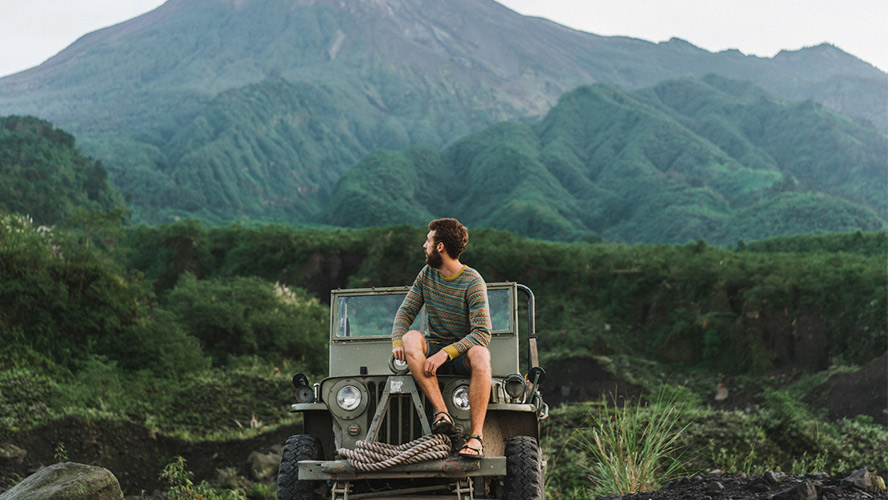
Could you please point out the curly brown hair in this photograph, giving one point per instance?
(452, 234)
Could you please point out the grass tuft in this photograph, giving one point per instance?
(634, 447)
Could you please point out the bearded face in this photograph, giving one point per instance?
(433, 256)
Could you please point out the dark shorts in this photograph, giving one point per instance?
(455, 366)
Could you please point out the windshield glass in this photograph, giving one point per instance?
(369, 315)
(372, 315)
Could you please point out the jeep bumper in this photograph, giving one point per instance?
(452, 467)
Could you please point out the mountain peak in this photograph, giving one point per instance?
(682, 44)
(831, 59)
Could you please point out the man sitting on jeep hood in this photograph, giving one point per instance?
(459, 329)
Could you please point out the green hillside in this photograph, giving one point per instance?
(44, 175)
(224, 110)
(688, 159)
(269, 148)
(820, 149)
(174, 295)
(183, 340)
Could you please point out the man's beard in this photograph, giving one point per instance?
(434, 259)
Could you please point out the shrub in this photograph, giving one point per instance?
(246, 316)
(182, 485)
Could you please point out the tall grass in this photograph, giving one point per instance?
(634, 446)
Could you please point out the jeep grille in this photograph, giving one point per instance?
(401, 423)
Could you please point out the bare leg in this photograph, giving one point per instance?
(415, 348)
(478, 360)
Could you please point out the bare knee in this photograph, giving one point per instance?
(414, 343)
(478, 359)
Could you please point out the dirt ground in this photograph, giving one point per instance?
(137, 455)
(133, 453)
(864, 392)
(769, 486)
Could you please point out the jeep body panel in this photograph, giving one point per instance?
(369, 397)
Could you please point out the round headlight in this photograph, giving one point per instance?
(348, 398)
(514, 385)
(461, 397)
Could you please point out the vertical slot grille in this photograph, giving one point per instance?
(401, 423)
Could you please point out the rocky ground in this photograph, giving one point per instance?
(131, 452)
(136, 454)
(859, 485)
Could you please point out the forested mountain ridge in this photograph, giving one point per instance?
(687, 159)
(226, 109)
(45, 176)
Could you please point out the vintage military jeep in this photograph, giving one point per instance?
(371, 397)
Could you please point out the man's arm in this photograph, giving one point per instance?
(410, 307)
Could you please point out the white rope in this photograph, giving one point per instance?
(372, 456)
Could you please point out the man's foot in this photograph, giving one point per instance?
(474, 447)
(442, 423)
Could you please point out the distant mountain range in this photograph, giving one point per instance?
(228, 109)
(704, 158)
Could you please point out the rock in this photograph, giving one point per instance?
(716, 487)
(759, 486)
(67, 481)
(860, 479)
(721, 392)
(771, 478)
(801, 491)
(10, 453)
(263, 465)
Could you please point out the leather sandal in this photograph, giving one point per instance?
(479, 450)
(443, 423)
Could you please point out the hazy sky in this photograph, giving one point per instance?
(31, 31)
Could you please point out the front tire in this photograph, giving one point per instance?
(290, 487)
(524, 471)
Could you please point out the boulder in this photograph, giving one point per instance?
(264, 465)
(10, 453)
(67, 481)
(801, 491)
(860, 479)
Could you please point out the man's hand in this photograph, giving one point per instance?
(399, 353)
(433, 362)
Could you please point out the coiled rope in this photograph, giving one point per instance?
(373, 456)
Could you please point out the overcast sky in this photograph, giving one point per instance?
(32, 31)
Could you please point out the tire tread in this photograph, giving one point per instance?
(524, 473)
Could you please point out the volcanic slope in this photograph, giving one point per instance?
(230, 108)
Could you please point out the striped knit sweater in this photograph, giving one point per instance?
(457, 309)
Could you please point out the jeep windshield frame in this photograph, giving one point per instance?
(368, 314)
(361, 329)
